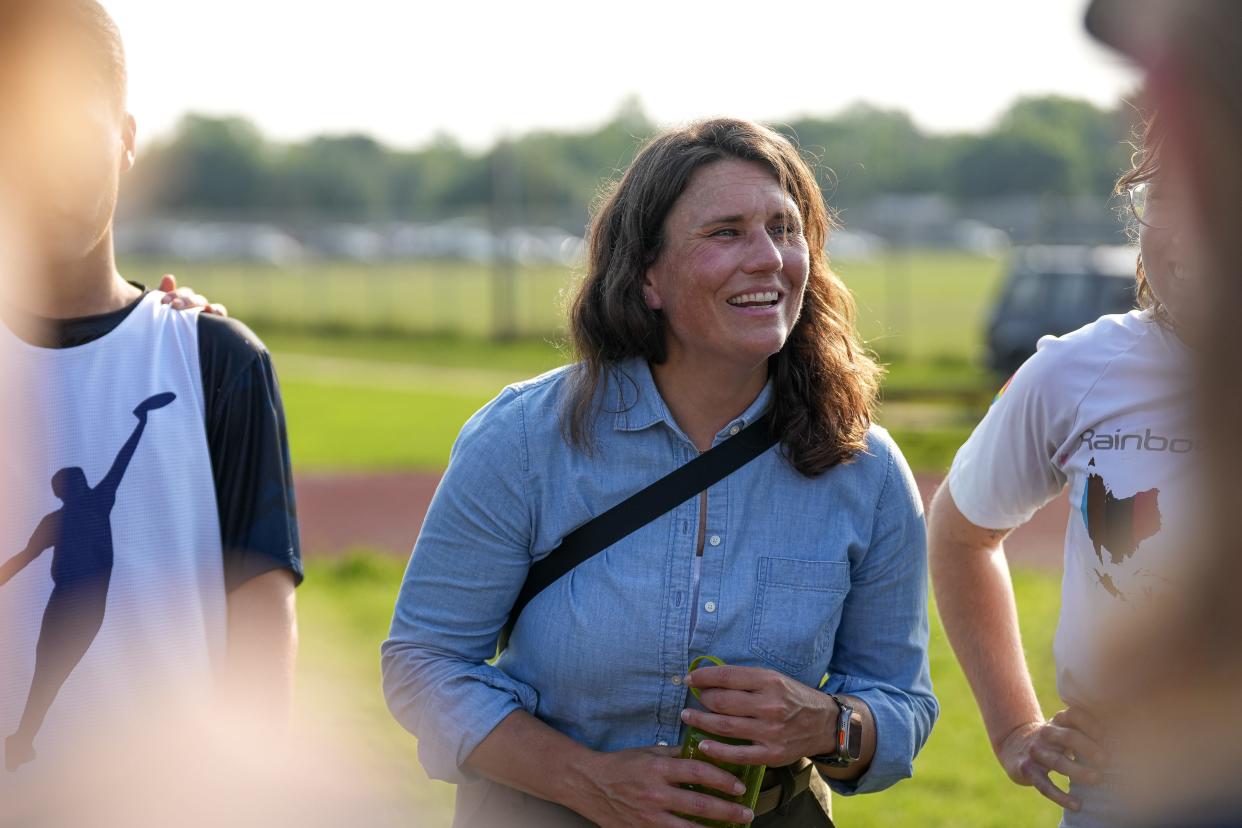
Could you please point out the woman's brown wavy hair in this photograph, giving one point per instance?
(825, 382)
(1144, 168)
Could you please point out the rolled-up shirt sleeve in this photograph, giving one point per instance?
(880, 655)
(469, 563)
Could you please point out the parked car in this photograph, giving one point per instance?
(1054, 290)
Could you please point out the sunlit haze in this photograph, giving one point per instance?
(406, 71)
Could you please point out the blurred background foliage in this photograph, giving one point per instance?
(221, 166)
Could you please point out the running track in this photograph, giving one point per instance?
(383, 512)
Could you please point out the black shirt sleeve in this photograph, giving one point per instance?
(249, 449)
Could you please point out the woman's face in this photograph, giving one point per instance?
(731, 275)
(1170, 257)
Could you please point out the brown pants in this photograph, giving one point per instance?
(803, 812)
(489, 805)
(810, 809)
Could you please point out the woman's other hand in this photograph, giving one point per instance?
(1068, 743)
(642, 786)
(784, 719)
(186, 299)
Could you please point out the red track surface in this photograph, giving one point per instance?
(383, 512)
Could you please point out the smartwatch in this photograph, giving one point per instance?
(848, 741)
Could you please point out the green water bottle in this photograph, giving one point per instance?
(751, 775)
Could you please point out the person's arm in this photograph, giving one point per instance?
(40, 541)
(975, 597)
(879, 661)
(262, 647)
(249, 451)
(1007, 470)
(112, 480)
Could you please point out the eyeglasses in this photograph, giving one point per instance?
(1149, 208)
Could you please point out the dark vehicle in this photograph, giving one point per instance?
(1055, 290)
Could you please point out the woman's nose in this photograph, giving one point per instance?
(763, 255)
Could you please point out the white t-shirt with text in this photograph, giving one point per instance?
(1104, 410)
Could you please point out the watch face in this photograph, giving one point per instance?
(854, 748)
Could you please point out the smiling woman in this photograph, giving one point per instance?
(708, 327)
(705, 219)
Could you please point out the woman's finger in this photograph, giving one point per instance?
(216, 309)
(191, 297)
(1065, 766)
(1073, 741)
(730, 702)
(755, 754)
(730, 677)
(1048, 788)
(694, 803)
(168, 284)
(697, 772)
(1036, 775)
(735, 727)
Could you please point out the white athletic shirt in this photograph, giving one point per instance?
(1105, 410)
(161, 637)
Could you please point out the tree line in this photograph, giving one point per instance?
(226, 167)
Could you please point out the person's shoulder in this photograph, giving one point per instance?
(880, 442)
(889, 472)
(877, 460)
(882, 450)
(1064, 369)
(516, 410)
(1095, 343)
(547, 383)
(536, 393)
(229, 337)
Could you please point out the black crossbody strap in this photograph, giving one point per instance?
(639, 509)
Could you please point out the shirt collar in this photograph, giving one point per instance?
(639, 405)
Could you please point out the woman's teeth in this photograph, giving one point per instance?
(752, 300)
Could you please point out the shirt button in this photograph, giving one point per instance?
(676, 680)
(714, 540)
(710, 606)
(733, 431)
(662, 743)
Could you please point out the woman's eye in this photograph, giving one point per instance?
(726, 232)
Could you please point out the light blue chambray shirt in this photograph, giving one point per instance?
(805, 576)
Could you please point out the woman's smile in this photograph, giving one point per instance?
(757, 303)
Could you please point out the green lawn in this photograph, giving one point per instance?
(391, 403)
(345, 608)
(920, 304)
(384, 403)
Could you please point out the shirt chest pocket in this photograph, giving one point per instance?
(797, 608)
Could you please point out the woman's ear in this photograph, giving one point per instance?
(129, 142)
(650, 295)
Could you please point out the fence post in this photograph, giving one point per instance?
(504, 275)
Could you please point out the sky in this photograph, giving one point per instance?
(407, 70)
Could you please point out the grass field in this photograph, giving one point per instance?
(923, 304)
(397, 403)
(345, 608)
